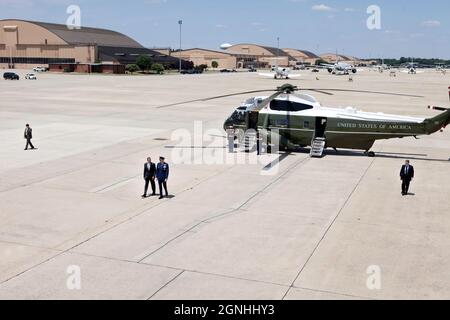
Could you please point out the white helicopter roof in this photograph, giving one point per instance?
(349, 113)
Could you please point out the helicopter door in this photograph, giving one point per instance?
(321, 127)
(252, 120)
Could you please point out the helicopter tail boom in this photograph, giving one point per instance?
(439, 122)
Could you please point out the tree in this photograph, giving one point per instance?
(144, 62)
(188, 65)
(215, 64)
(158, 68)
(132, 68)
(201, 67)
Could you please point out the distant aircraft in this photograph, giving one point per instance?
(280, 73)
(441, 68)
(411, 68)
(382, 67)
(340, 68)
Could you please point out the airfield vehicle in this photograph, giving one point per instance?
(11, 76)
(30, 76)
(39, 69)
(192, 71)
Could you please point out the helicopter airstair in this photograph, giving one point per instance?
(250, 141)
(317, 147)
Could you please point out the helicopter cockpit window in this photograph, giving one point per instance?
(284, 105)
(238, 116)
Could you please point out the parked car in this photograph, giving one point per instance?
(252, 69)
(30, 76)
(300, 67)
(227, 70)
(192, 71)
(11, 76)
(315, 70)
(39, 69)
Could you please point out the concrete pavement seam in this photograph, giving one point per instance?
(331, 225)
(164, 286)
(229, 211)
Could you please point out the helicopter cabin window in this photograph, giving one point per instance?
(283, 105)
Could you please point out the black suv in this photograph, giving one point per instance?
(192, 71)
(10, 76)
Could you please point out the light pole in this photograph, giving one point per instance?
(180, 22)
(10, 57)
(278, 51)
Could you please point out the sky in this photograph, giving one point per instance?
(408, 28)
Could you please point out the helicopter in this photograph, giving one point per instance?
(299, 120)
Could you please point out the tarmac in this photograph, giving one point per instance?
(73, 224)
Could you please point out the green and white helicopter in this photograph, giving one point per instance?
(299, 120)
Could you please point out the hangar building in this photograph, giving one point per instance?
(204, 56)
(267, 56)
(332, 58)
(27, 43)
(302, 56)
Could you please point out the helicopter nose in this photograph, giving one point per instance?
(228, 124)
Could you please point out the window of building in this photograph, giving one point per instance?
(33, 60)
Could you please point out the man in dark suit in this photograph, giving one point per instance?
(149, 177)
(406, 175)
(162, 174)
(28, 135)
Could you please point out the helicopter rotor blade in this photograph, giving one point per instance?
(320, 91)
(287, 89)
(265, 104)
(371, 92)
(214, 98)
